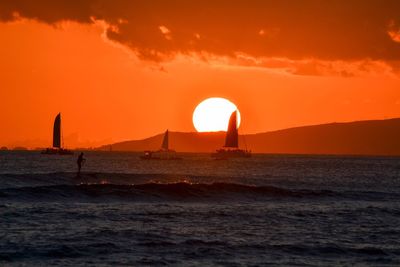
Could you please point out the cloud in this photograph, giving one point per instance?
(394, 31)
(395, 35)
(312, 66)
(337, 31)
(167, 33)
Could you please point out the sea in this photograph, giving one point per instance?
(268, 210)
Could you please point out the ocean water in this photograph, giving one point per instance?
(274, 210)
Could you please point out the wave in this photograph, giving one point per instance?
(202, 247)
(181, 191)
(164, 186)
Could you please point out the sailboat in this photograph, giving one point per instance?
(164, 153)
(231, 147)
(57, 148)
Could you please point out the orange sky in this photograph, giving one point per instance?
(113, 81)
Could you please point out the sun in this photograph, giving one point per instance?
(212, 115)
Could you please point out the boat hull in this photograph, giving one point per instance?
(160, 155)
(158, 158)
(57, 151)
(231, 153)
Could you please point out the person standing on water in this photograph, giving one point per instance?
(80, 160)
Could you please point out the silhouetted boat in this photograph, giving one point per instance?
(231, 147)
(165, 153)
(57, 148)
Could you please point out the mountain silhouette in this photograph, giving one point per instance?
(373, 137)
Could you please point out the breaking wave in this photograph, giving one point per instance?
(99, 187)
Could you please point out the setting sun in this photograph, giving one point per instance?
(212, 115)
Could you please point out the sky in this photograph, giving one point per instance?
(121, 70)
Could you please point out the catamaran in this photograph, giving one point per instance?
(165, 153)
(57, 148)
(231, 147)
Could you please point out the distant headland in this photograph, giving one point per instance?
(372, 137)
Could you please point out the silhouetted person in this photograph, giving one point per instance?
(80, 161)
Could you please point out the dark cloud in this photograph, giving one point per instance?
(321, 29)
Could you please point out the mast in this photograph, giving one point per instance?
(231, 139)
(57, 131)
(165, 142)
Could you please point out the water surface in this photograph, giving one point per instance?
(270, 209)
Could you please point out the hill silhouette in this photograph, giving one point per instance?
(373, 137)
